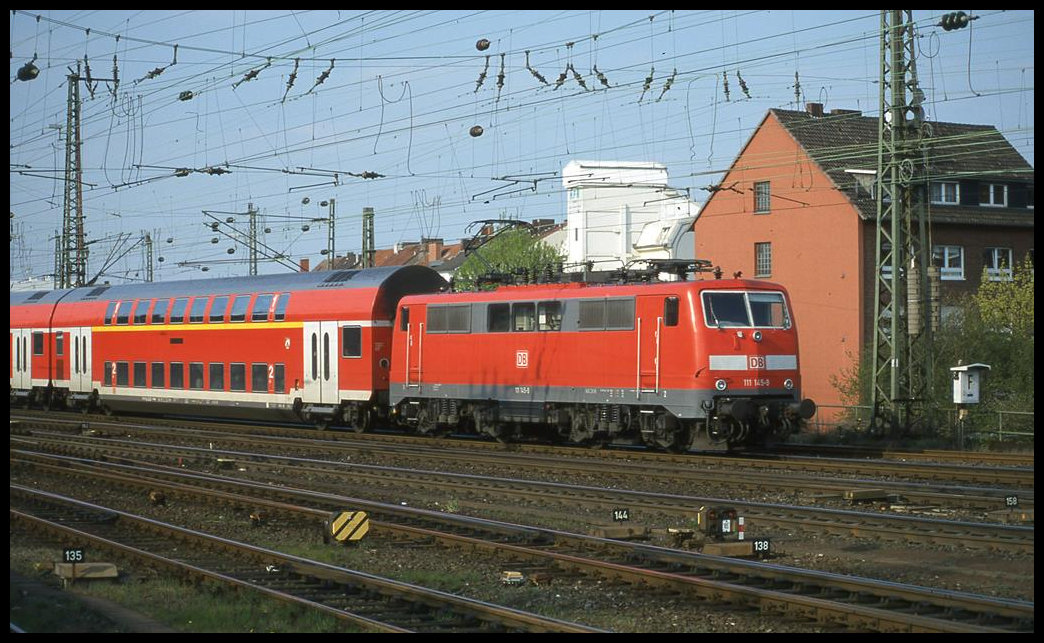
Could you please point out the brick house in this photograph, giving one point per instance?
(797, 207)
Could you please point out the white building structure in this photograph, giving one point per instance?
(618, 211)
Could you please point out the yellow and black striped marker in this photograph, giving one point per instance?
(348, 526)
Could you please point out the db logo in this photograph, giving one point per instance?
(756, 361)
(522, 359)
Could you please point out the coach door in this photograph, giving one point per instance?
(320, 363)
(648, 325)
(79, 356)
(20, 358)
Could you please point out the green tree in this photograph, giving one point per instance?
(994, 326)
(508, 253)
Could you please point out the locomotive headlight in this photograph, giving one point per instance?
(757, 336)
(788, 383)
(721, 385)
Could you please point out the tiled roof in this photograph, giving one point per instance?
(848, 141)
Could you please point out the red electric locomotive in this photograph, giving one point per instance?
(685, 364)
(311, 346)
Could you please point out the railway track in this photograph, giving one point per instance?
(862, 524)
(371, 603)
(825, 598)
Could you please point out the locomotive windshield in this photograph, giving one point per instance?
(745, 309)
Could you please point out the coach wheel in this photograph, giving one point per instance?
(363, 420)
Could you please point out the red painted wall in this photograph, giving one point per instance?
(816, 250)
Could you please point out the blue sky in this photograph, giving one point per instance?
(289, 109)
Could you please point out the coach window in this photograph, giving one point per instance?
(237, 377)
(315, 357)
(261, 308)
(259, 378)
(523, 317)
(199, 304)
(498, 318)
(351, 341)
(157, 374)
(177, 375)
(159, 311)
(140, 369)
(123, 313)
(141, 311)
(177, 312)
(122, 373)
(279, 372)
(107, 374)
(196, 375)
(217, 310)
(326, 357)
(240, 305)
(281, 304)
(670, 311)
(109, 311)
(38, 343)
(549, 315)
(59, 343)
(217, 377)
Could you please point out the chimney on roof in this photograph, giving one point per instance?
(434, 250)
(305, 265)
(843, 112)
(814, 109)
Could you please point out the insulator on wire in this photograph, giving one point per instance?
(482, 44)
(725, 78)
(482, 76)
(743, 84)
(534, 72)
(647, 84)
(601, 77)
(667, 85)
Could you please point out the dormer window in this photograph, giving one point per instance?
(945, 192)
(993, 194)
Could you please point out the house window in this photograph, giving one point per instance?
(993, 194)
(945, 192)
(950, 260)
(1029, 197)
(762, 198)
(998, 264)
(763, 259)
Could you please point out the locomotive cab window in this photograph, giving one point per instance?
(351, 341)
(498, 318)
(549, 315)
(670, 311)
(742, 309)
(404, 318)
(523, 317)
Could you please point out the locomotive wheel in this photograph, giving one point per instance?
(425, 421)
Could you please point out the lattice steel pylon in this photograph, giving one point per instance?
(72, 269)
(903, 364)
